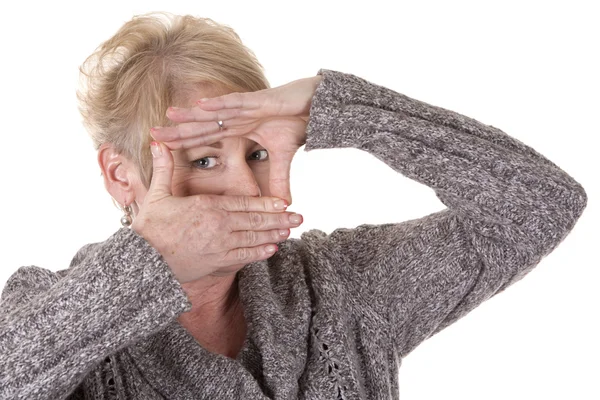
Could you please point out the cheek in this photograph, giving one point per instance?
(188, 183)
(262, 179)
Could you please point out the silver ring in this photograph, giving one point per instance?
(221, 127)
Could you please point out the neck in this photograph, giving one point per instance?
(216, 320)
(217, 296)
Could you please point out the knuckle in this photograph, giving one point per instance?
(211, 201)
(198, 141)
(184, 131)
(256, 220)
(174, 144)
(267, 204)
(244, 202)
(284, 219)
(183, 145)
(201, 201)
(251, 238)
(230, 242)
(159, 169)
(243, 254)
(224, 221)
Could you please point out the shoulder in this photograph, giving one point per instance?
(31, 279)
(123, 241)
(83, 253)
(28, 279)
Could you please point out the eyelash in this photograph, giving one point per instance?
(195, 162)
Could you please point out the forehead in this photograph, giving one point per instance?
(188, 96)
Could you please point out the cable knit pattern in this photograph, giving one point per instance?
(329, 316)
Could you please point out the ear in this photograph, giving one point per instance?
(121, 176)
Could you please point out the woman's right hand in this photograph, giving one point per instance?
(204, 235)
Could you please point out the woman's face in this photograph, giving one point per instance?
(233, 166)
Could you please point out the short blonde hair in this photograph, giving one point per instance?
(148, 65)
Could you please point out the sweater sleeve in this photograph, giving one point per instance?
(507, 208)
(56, 327)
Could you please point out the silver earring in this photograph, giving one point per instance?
(126, 219)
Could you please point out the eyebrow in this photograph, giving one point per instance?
(217, 145)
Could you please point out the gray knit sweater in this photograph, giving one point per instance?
(329, 316)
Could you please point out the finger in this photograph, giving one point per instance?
(187, 130)
(249, 254)
(195, 142)
(196, 114)
(184, 131)
(245, 100)
(256, 238)
(279, 177)
(259, 221)
(208, 139)
(247, 203)
(162, 171)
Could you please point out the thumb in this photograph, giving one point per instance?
(162, 171)
(279, 178)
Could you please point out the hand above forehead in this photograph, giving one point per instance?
(275, 118)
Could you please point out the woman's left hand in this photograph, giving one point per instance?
(275, 118)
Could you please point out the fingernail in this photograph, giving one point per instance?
(295, 218)
(202, 100)
(280, 204)
(155, 149)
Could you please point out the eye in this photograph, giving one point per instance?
(202, 163)
(266, 155)
(205, 162)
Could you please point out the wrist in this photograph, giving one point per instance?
(316, 80)
(313, 84)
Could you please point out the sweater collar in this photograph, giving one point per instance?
(277, 310)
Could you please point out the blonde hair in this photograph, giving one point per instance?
(148, 65)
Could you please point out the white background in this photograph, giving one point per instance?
(529, 68)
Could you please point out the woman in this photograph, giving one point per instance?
(185, 301)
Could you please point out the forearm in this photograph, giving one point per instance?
(475, 169)
(508, 207)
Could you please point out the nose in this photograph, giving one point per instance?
(244, 182)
